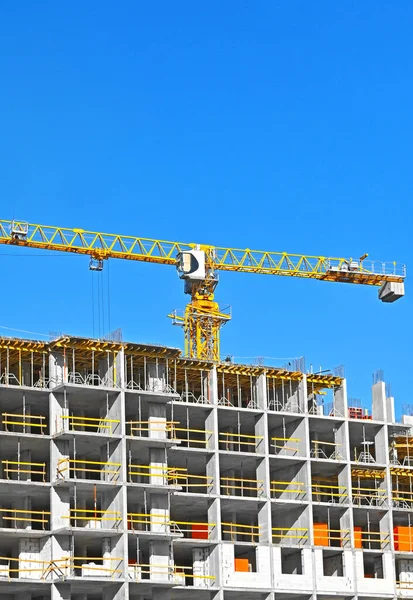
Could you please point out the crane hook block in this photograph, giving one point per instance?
(391, 291)
(191, 265)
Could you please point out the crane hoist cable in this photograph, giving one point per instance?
(199, 264)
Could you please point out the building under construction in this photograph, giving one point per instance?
(129, 471)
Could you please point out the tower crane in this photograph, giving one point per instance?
(199, 264)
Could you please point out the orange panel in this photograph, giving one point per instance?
(321, 534)
(358, 537)
(200, 532)
(241, 564)
(403, 539)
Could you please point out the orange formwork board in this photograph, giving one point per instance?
(241, 565)
(199, 531)
(321, 537)
(403, 539)
(358, 535)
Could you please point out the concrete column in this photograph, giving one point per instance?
(262, 391)
(57, 369)
(160, 569)
(156, 376)
(26, 457)
(159, 513)
(157, 464)
(379, 408)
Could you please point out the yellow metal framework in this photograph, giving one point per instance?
(203, 317)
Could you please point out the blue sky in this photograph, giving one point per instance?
(272, 125)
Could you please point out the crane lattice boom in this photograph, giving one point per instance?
(203, 317)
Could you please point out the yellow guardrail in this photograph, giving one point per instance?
(284, 487)
(137, 428)
(85, 515)
(108, 425)
(190, 439)
(318, 489)
(238, 484)
(73, 466)
(15, 514)
(237, 530)
(23, 467)
(280, 448)
(24, 421)
(298, 534)
(230, 440)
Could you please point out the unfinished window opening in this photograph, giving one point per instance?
(286, 435)
(238, 432)
(373, 566)
(291, 561)
(333, 564)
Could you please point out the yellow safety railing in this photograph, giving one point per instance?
(192, 529)
(177, 476)
(327, 450)
(23, 421)
(174, 573)
(185, 576)
(144, 521)
(146, 473)
(404, 585)
(24, 468)
(322, 492)
(400, 495)
(290, 450)
(238, 532)
(86, 565)
(12, 568)
(16, 516)
(101, 425)
(368, 496)
(374, 538)
(239, 441)
(143, 428)
(190, 482)
(90, 516)
(192, 437)
(295, 535)
(295, 488)
(70, 467)
(337, 537)
(237, 486)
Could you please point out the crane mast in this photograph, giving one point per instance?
(198, 265)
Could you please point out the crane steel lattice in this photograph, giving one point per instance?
(198, 265)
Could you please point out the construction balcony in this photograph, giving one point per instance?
(287, 436)
(371, 530)
(237, 389)
(194, 519)
(331, 527)
(368, 487)
(243, 477)
(192, 472)
(289, 481)
(368, 444)
(24, 458)
(327, 439)
(402, 487)
(329, 484)
(290, 525)
(239, 431)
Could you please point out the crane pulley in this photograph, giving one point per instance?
(198, 265)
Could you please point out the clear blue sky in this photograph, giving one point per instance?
(272, 125)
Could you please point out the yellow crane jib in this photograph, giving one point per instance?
(198, 265)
